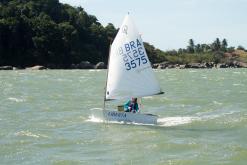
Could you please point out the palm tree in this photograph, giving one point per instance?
(224, 45)
(198, 48)
(216, 45)
(191, 47)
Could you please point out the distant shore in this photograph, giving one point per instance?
(163, 65)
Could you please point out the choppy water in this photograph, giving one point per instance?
(45, 118)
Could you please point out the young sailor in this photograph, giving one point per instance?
(131, 106)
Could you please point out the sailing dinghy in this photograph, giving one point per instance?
(129, 74)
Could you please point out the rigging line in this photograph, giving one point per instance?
(106, 82)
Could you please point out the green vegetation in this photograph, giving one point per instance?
(46, 32)
(49, 33)
(216, 52)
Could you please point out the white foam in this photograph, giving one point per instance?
(98, 109)
(237, 72)
(16, 99)
(29, 134)
(148, 97)
(217, 103)
(63, 80)
(238, 84)
(175, 121)
(215, 116)
(94, 119)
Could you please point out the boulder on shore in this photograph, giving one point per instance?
(83, 65)
(222, 65)
(170, 66)
(37, 67)
(162, 65)
(182, 66)
(209, 64)
(86, 65)
(155, 66)
(242, 64)
(6, 68)
(194, 65)
(100, 65)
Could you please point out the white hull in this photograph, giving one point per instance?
(129, 117)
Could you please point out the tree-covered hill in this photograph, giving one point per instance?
(49, 33)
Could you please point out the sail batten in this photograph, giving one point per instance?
(129, 70)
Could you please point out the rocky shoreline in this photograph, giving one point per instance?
(163, 65)
(233, 64)
(82, 65)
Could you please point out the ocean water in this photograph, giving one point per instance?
(46, 117)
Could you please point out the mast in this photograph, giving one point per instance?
(107, 75)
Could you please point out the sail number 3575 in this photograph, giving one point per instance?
(134, 55)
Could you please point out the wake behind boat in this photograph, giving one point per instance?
(129, 74)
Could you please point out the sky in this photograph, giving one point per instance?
(169, 24)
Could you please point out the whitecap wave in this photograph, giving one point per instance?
(175, 121)
(238, 84)
(98, 109)
(94, 119)
(148, 97)
(217, 103)
(16, 99)
(237, 72)
(215, 116)
(63, 80)
(29, 134)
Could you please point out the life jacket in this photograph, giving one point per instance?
(134, 106)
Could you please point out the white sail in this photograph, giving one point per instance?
(129, 70)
